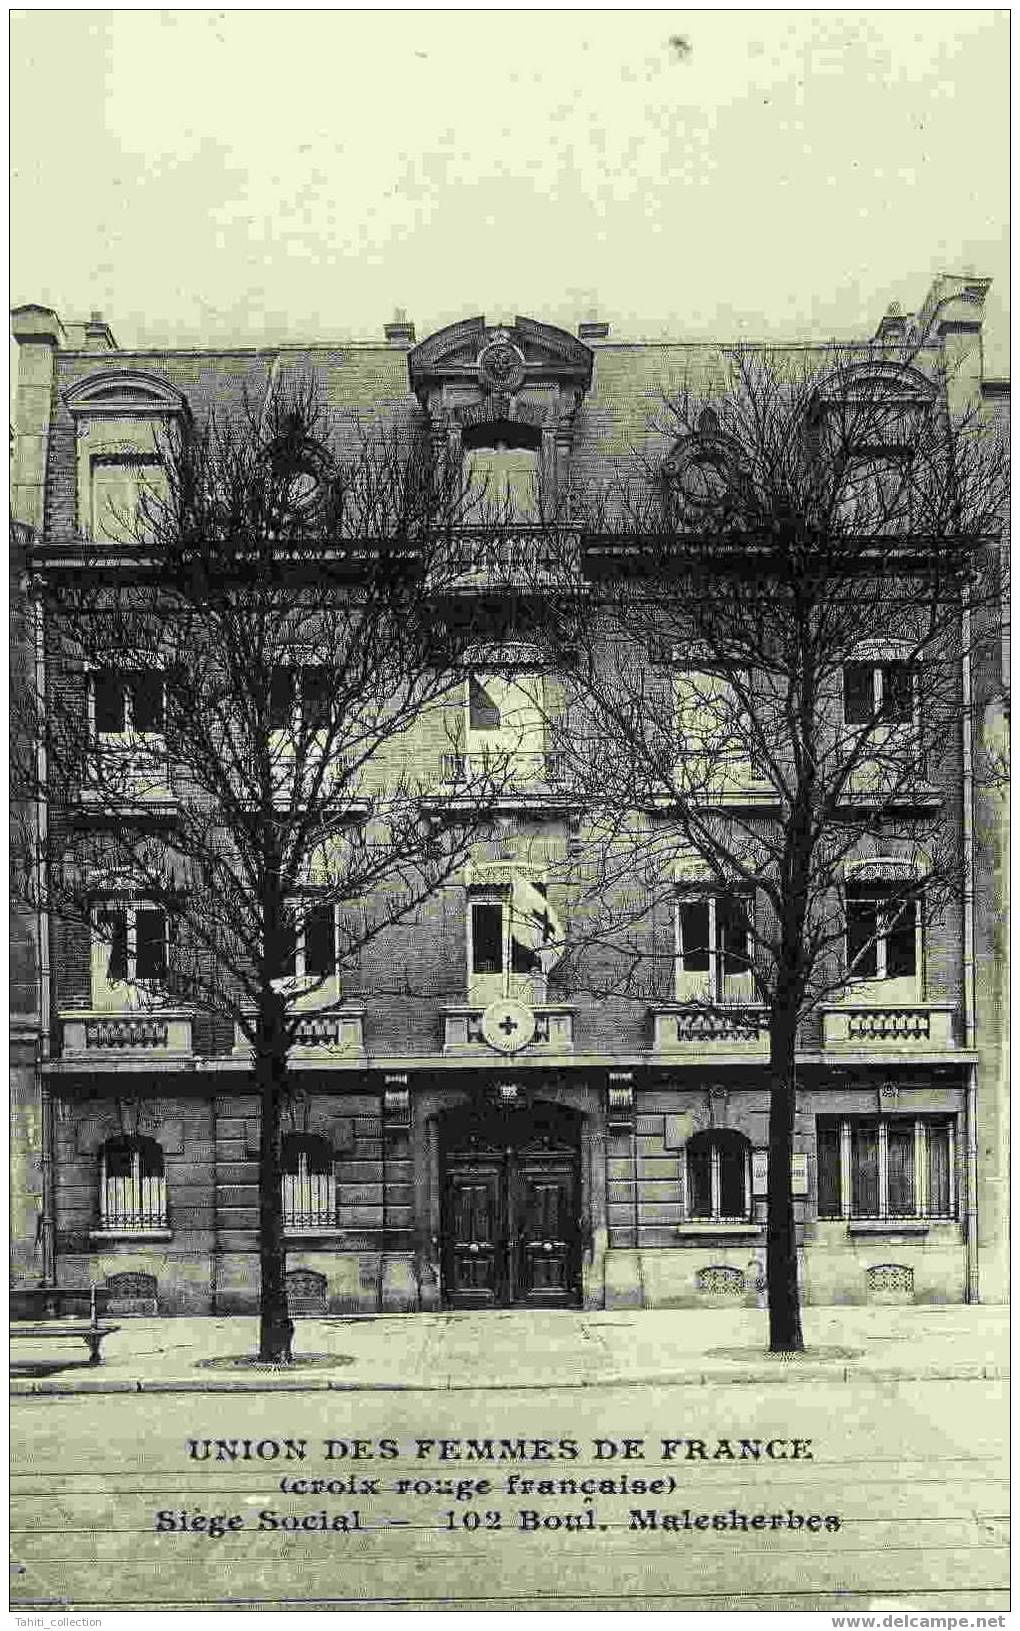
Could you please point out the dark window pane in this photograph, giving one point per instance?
(858, 693)
(694, 936)
(150, 1158)
(732, 1191)
(150, 943)
(287, 951)
(861, 945)
(901, 940)
(119, 1154)
(864, 1167)
(830, 1192)
(109, 700)
(897, 693)
(483, 710)
(281, 699)
(940, 1180)
(900, 1137)
(522, 959)
(487, 939)
(699, 1181)
(147, 701)
(315, 696)
(731, 928)
(113, 930)
(320, 956)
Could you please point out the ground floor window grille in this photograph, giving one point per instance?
(132, 1190)
(718, 1178)
(886, 1167)
(309, 1183)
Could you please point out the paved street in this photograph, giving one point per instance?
(872, 1491)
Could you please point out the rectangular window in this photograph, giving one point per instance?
(127, 701)
(885, 1168)
(713, 954)
(879, 693)
(492, 941)
(309, 946)
(299, 697)
(881, 932)
(506, 725)
(486, 938)
(122, 484)
(130, 943)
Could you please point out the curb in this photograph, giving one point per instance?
(790, 1373)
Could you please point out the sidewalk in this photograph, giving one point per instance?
(526, 1349)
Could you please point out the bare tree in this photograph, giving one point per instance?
(765, 662)
(237, 697)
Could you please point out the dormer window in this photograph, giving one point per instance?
(501, 470)
(122, 486)
(121, 418)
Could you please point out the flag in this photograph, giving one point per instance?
(533, 923)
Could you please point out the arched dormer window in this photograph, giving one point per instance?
(132, 1186)
(867, 425)
(718, 1177)
(121, 417)
(309, 1182)
(502, 469)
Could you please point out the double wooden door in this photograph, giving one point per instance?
(510, 1216)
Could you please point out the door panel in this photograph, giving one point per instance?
(510, 1210)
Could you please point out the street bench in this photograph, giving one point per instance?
(37, 1314)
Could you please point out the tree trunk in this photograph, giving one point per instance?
(785, 1334)
(276, 1329)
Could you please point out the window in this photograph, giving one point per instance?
(299, 698)
(501, 470)
(886, 1167)
(712, 731)
(132, 1186)
(718, 1178)
(129, 702)
(876, 498)
(311, 949)
(879, 692)
(309, 1183)
(882, 930)
(501, 961)
(122, 485)
(713, 953)
(130, 944)
(505, 725)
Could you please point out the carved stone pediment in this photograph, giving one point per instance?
(499, 359)
(124, 394)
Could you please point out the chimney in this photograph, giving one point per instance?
(98, 334)
(592, 329)
(399, 333)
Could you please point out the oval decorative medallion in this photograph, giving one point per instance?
(500, 365)
(508, 1025)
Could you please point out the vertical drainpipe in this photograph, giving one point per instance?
(47, 1130)
(971, 1224)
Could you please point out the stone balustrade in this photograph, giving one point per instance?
(914, 1027)
(159, 1035)
(462, 1030)
(324, 1036)
(714, 1029)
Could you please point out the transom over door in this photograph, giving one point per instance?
(510, 1217)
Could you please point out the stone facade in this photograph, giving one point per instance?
(135, 1140)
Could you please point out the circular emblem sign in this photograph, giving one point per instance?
(508, 1025)
(501, 366)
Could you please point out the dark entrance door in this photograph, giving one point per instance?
(510, 1211)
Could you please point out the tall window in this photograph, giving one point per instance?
(500, 963)
(501, 470)
(713, 952)
(121, 484)
(309, 1183)
(128, 702)
(310, 952)
(886, 1167)
(882, 931)
(505, 725)
(718, 1177)
(712, 733)
(129, 944)
(132, 1187)
(882, 692)
(299, 698)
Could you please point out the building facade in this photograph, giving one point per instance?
(490, 1137)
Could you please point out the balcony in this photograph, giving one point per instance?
(895, 1028)
(324, 1036)
(554, 1030)
(716, 1031)
(136, 1040)
(503, 558)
